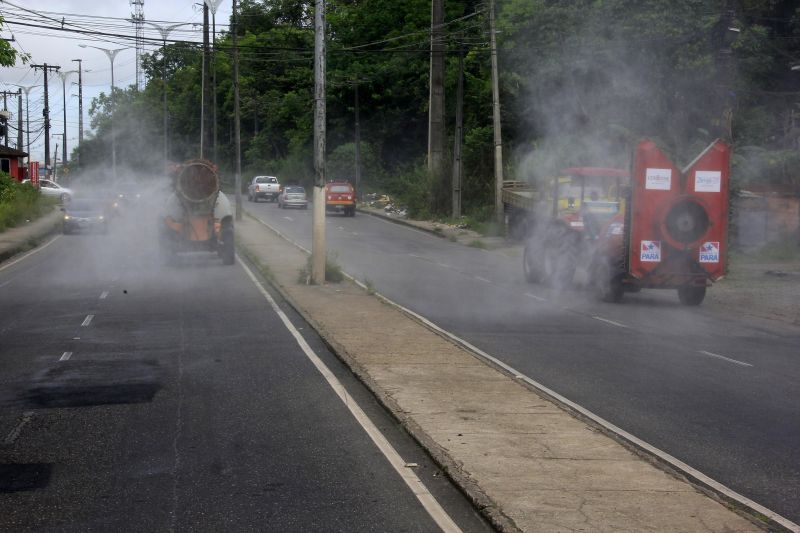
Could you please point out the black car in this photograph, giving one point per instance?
(86, 215)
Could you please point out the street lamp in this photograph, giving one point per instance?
(63, 75)
(111, 54)
(165, 31)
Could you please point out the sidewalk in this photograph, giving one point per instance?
(526, 462)
(24, 237)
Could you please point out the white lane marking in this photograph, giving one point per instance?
(734, 361)
(413, 482)
(416, 256)
(14, 434)
(87, 320)
(39, 249)
(65, 356)
(482, 279)
(607, 321)
(103, 295)
(443, 265)
(535, 297)
(290, 219)
(355, 233)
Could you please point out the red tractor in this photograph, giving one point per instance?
(674, 236)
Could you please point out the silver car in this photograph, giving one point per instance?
(293, 196)
(54, 190)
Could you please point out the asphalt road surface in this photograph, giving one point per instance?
(138, 397)
(718, 391)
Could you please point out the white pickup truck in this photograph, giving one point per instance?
(263, 187)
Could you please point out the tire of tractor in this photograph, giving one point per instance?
(532, 267)
(227, 250)
(691, 295)
(560, 258)
(607, 283)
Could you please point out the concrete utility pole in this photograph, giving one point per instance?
(358, 145)
(19, 120)
(5, 108)
(55, 158)
(318, 251)
(46, 113)
(80, 105)
(236, 117)
(205, 116)
(213, 5)
(63, 75)
(436, 125)
(27, 90)
(498, 135)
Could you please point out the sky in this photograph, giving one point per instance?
(35, 27)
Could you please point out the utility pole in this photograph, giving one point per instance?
(80, 106)
(436, 126)
(27, 90)
(55, 158)
(318, 252)
(19, 120)
(498, 136)
(63, 76)
(236, 117)
(46, 112)
(358, 146)
(457, 167)
(205, 116)
(213, 5)
(5, 108)
(165, 31)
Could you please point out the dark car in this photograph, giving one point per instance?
(86, 215)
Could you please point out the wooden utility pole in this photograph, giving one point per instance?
(457, 166)
(236, 115)
(46, 113)
(318, 251)
(498, 136)
(436, 125)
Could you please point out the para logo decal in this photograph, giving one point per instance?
(709, 252)
(650, 251)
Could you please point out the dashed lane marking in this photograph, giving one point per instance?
(718, 356)
(483, 279)
(87, 320)
(290, 219)
(65, 356)
(428, 501)
(104, 295)
(607, 321)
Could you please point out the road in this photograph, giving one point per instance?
(717, 391)
(138, 397)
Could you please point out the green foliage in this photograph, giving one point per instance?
(18, 202)
(412, 189)
(333, 272)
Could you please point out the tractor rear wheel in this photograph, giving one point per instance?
(607, 282)
(532, 266)
(692, 294)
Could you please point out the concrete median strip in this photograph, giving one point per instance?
(525, 460)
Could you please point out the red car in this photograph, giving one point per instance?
(340, 196)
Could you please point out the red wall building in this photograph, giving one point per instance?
(11, 162)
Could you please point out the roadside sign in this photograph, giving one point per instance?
(33, 173)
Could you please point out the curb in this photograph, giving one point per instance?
(756, 513)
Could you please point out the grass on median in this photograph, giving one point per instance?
(333, 272)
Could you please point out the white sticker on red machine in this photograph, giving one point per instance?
(707, 180)
(650, 251)
(709, 252)
(659, 179)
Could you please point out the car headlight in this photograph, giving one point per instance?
(101, 217)
(67, 217)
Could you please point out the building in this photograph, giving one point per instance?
(11, 162)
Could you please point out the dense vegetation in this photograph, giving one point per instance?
(581, 81)
(19, 202)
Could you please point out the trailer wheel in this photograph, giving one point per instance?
(607, 284)
(691, 294)
(532, 266)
